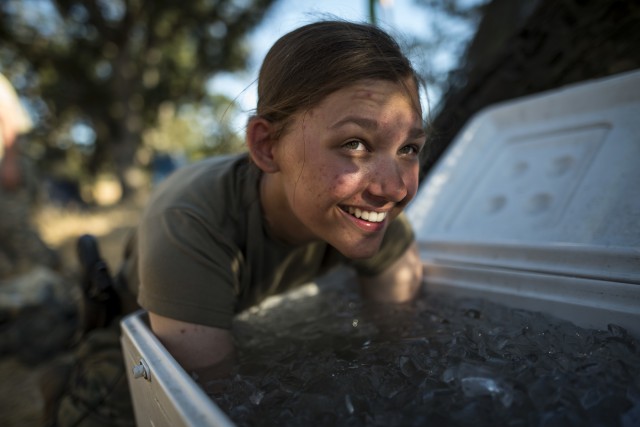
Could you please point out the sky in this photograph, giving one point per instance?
(401, 18)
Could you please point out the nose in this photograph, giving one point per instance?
(387, 181)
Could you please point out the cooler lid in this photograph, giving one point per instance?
(547, 183)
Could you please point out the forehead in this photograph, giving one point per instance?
(377, 92)
(372, 97)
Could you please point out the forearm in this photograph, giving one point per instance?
(196, 348)
(9, 162)
(9, 135)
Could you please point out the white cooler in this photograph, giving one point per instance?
(535, 205)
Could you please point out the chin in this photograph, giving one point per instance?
(360, 252)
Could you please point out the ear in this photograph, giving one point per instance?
(261, 144)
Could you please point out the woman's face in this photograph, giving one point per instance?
(346, 168)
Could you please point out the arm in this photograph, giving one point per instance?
(9, 167)
(400, 282)
(14, 121)
(205, 350)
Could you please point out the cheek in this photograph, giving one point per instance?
(331, 178)
(345, 183)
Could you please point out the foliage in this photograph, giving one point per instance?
(96, 72)
(196, 131)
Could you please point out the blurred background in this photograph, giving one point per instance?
(121, 92)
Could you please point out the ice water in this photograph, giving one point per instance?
(331, 359)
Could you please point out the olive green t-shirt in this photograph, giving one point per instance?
(202, 253)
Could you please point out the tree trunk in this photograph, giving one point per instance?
(561, 42)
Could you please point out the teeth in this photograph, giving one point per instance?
(367, 215)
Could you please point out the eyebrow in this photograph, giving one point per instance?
(363, 122)
(371, 124)
(416, 133)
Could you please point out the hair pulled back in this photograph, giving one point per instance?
(313, 61)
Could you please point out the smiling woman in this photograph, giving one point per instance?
(338, 128)
(332, 163)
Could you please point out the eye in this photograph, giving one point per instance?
(355, 145)
(410, 150)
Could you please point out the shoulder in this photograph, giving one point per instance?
(201, 201)
(205, 184)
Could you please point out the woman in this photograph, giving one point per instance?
(332, 161)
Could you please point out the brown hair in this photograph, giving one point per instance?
(313, 61)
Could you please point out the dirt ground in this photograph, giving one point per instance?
(20, 400)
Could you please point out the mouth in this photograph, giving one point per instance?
(370, 216)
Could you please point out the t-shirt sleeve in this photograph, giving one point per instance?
(187, 270)
(397, 239)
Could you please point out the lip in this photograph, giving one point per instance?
(364, 225)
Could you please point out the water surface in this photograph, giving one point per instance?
(332, 359)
